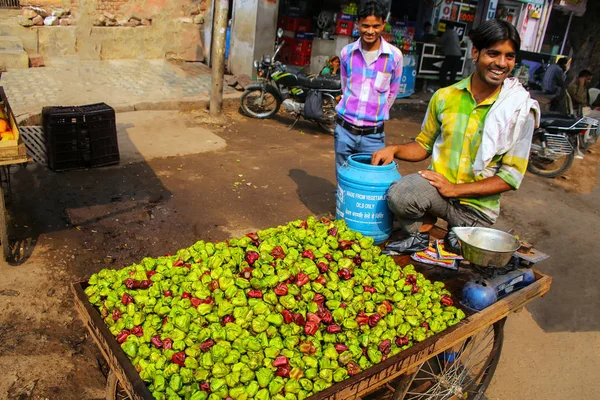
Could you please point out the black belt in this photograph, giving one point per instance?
(359, 130)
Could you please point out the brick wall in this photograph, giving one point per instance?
(112, 6)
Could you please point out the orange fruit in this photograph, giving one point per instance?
(8, 135)
(4, 127)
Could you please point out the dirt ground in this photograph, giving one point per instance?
(70, 225)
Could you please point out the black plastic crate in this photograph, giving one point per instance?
(62, 131)
(104, 147)
(80, 137)
(102, 129)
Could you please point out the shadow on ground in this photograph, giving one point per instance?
(317, 194)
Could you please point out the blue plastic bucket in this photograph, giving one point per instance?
(362, 196)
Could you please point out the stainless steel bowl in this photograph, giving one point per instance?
(486, 247)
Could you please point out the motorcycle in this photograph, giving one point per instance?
(559, 139)
(279, 85)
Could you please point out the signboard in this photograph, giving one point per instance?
(577, 7)
(446, 9)
(459, 27)
(491, 13)
(432, 58)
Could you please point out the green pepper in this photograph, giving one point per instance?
(320, 385)
(276, 385)
(252, 388)
(259, 324)
(216, 384)
(130, 347)
(264, 377)
(159, 383)
(232, 357)
(175, 382)
(262, 394)
(275, 319)
(288, 301)
(246, 374)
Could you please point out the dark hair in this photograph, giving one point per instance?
(562, 61)
(372, 8)
(427, 24)
(585, 73)
(494, 31)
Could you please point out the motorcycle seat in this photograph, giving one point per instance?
(558, 120)
(320, 82)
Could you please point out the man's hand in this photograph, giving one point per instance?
(439, 181)
(384, 156)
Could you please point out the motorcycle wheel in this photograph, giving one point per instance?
(260, 103)
(329, 114)
(547, 167)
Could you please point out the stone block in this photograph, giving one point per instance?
(133, 23)
(36, 60)
(38, 20)
(24, 21)
(199, 19)
(10, 43)
(51, 20)
(146, 22)
(64, 22)
(59, 12)
(41, 11)
(28, 36)
(57, 41)
(29, 13)
(14, 59)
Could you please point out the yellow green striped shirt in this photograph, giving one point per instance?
(451, 133)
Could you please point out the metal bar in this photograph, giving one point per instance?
(10, 4)
(562, 48)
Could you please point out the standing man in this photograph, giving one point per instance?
(450, 43)
(371, 70)
(578, 90)
(554, 84)
(427, 36)
(478, 133)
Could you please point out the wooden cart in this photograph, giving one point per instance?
(401, 374)
(12, 153)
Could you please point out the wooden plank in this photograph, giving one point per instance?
(117, 360)
(378, 375)
(20, 158)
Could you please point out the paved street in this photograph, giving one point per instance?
(120, 83)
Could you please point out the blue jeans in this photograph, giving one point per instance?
(346, 144)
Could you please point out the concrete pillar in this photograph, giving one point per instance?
(253, 33)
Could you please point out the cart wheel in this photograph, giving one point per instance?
(461, 372)
(114, 390)
(4, 228)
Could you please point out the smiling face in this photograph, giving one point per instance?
(495, 63)
(370, 29)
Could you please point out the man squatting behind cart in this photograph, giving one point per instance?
(478, 133)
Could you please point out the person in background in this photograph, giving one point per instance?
(450, 43)
(469, 65)
(427, 36)
(371, 70)
(578, 90)
(554, 84)
(478, 134)
(332, 67)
